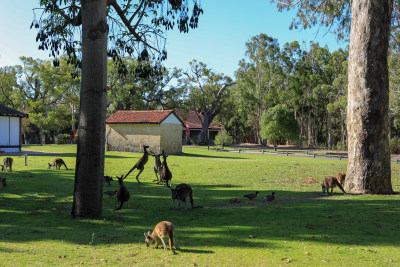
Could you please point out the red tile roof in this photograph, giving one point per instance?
(193, 121)
(139, 116)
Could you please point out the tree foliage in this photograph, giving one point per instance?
(278, 123)
(135, 28)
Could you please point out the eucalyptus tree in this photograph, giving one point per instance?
(207, 89)
(394, 93)
(257, 77)
(368, 169)
(278, 123)
(146, 85)
(9, 95)
(88, 31)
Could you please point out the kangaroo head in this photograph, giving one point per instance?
(174, 193)
(49, 166)
(164, 155)
(120, 178)
(148, 238)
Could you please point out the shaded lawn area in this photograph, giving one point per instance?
(301, 227)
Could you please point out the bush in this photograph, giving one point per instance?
(341, 146)
(394, 145)
(223, 138)
(64, 138)
(200, 140)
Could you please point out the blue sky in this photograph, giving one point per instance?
(219, 41)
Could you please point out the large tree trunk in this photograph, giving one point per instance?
(91, 134)
(368, 167)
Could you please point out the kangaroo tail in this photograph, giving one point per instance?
(120, 206)
(134, 167)
(340, 187)
(65, 166)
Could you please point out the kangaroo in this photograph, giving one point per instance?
(108, 180)
(341, 177)
(330, 182)
(161, 230)
(157, 166)
(57, 163)
(7, 162)
(140, 163)
(183, 192)
(3, 181)
(122, 193)
(166, 174)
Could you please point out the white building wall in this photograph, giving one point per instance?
(4, 131)
(9, 133)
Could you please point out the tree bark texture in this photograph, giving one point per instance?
(368, 167)
(91, 133)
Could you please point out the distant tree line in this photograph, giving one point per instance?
(304, 82)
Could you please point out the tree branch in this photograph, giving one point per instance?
(126, 22)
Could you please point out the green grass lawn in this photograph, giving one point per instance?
(301, 228)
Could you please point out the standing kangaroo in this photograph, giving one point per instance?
(157, 166)
(162, 229)
(58, 162)
(330, 182)
(140, 163)
(122, 193)
(166, 174)
(7, 162)
(183, 192)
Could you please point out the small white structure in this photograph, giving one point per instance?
(10, 129)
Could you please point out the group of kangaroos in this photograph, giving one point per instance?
(182, 192)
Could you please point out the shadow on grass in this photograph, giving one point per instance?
(73, 155)
(196, 251)
(38, 208)
(210, 156)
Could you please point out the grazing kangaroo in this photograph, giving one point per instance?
(162, 229)
(122, 193)
(341, 177)
(166, 174)
(3, 181)
(57, 163)
(140, 163)
(7, 162)
(330, 182)
(157, 166)
(108, 179)
(183, 192)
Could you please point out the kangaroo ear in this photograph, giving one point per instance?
(145, 235)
